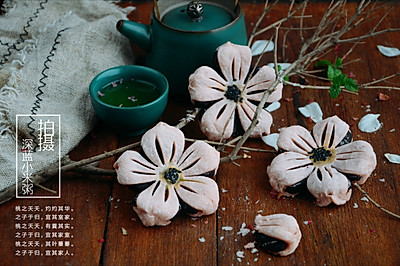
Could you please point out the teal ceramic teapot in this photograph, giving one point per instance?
(183, 36)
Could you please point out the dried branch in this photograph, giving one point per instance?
(375, 203)
(325, 37)
(83, 166)
(232, 146)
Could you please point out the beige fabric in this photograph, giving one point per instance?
(50, 50)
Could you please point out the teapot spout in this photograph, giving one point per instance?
(136, 32)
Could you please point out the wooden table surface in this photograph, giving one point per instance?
(333, 235)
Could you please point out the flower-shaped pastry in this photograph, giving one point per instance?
(278, 234)
(323, 162)
(170, 178)
(232, 96)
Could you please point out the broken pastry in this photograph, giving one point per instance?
(278, 234)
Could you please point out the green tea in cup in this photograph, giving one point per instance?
(128, 93)
(129, 98)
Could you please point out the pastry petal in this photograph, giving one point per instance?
(133, 169)
(200, 193)
(206, 85)
(296, 138)
(327, 185)
(155, 206)
(261, 82)
(287, 169)
(217, 122)
(234, 61)
(356, 158)
(246, 113)
(198, 159)
(330, 132)
(163, 144)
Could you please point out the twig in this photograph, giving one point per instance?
(260, 19)
(315, 87)
(232, 146)
(231, 159)
(382, 87)
(45, 188)
(375, 203)
(378, 80)
(77, 166)
(372, 34)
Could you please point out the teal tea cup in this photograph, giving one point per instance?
(129, 99)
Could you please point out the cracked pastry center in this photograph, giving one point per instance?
(172, 175)
(321, 155)
(233, 93)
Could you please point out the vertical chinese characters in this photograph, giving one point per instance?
(38, 148)
(27, 159)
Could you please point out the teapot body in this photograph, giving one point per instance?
(178, 53)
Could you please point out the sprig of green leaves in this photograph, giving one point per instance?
(337, 78)
(285, 77)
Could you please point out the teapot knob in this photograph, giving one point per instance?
(195, 11)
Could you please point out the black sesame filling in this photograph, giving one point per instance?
(269, 244)
(299, 187)
(233, 93)
(187, 208)
(319, 154)
(172, 175)
(347, 139)
(140, 187)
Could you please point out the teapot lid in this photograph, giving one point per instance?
(195, 16)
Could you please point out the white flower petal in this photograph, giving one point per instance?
(133, 169)
(234, 61)
(259, 46)
(330, 131)
(198, 159)
(163, 144)
(261, 82)
(369, 123)
(393, 158)
(273, 107)
(155, 207)
(200, 193)
(312, 110)
(271, 140)
(356, 158)
(217, 122)
(205, 84)
(328, 185)
(287, 169)
(297, 139)
(246, 113)
(388, 51)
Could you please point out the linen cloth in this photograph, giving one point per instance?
(50, 50)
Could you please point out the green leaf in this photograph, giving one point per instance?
(323, 63)
(339, 62)
(279, 68)
(330, 72)
(339, 79)
(286, 78)
(337, 73)
(334, 90)
(350, 84)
